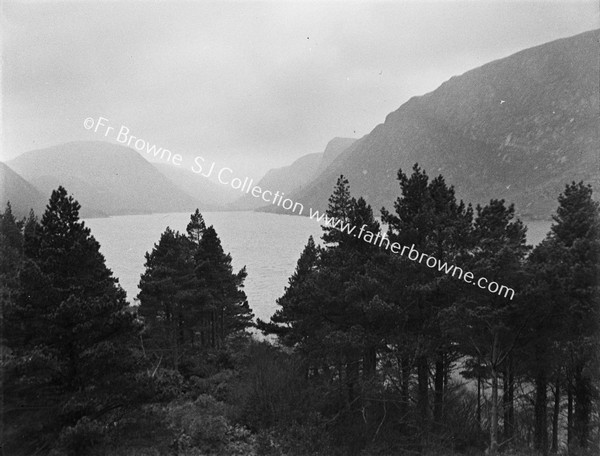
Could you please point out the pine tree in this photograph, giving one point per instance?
(196, 227)
(288, 320)
(230, 312)
(11, 229)
(575, 237)
(31, 235)
(547, 310)
(411, 224)
(167, 294)
(70, 331)
(69, 255)
(11, 259)
(427, 217)
(412, 221)
(189, 294)
(323, 312)
(486, 325)
(339, 207)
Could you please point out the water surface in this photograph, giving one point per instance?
(269, 245)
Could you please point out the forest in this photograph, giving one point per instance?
(368, 352)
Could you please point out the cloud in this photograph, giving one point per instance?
(253, 85)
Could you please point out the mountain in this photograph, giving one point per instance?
(105, 178)
(21, 194)
(214, 196)
(518, 128)
(297, 175)
(333, 150)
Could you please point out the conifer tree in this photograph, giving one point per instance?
(323, 310)
(486, 324)
(70, 332)
(11, 229)
(31, 235)
(428, 218)
(196, 227)
(566, 267)
(11, 259)
(227, 302)
(543, 354)
(338, 209)
(411, 224)
(167, 282)
(288, 320)
(189, 294)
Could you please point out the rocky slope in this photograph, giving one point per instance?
(518, 128)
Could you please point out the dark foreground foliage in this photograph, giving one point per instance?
(370, 353)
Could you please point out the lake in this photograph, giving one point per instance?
(269, 245)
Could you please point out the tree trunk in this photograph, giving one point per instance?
(423, 399)
(581, 424)
(508, 401)
(369, 363)
(479, 398)
(494, 414)
(341, 373)
(541, 425)
(570, 437)
(222, 333)
(438, 400)
(554, 448)
(213, 329)
(405, 363)
(405, 369)
(174, 345)
(352, 373)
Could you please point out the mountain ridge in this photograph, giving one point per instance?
(105, 178)
(517, 128)
(22, 195)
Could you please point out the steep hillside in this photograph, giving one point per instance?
(518, 128)
(21, 194)
(297, 175)
(104, 178)
(333, 150)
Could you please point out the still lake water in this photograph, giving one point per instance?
(269, 245)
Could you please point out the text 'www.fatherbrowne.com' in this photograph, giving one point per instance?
(381, 240)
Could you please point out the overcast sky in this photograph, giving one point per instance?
(251, 85)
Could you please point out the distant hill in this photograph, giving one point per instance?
(105, 178)
(297, 175)
(518, 128)
(212, 196)
(333, 150)
(22, 195)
